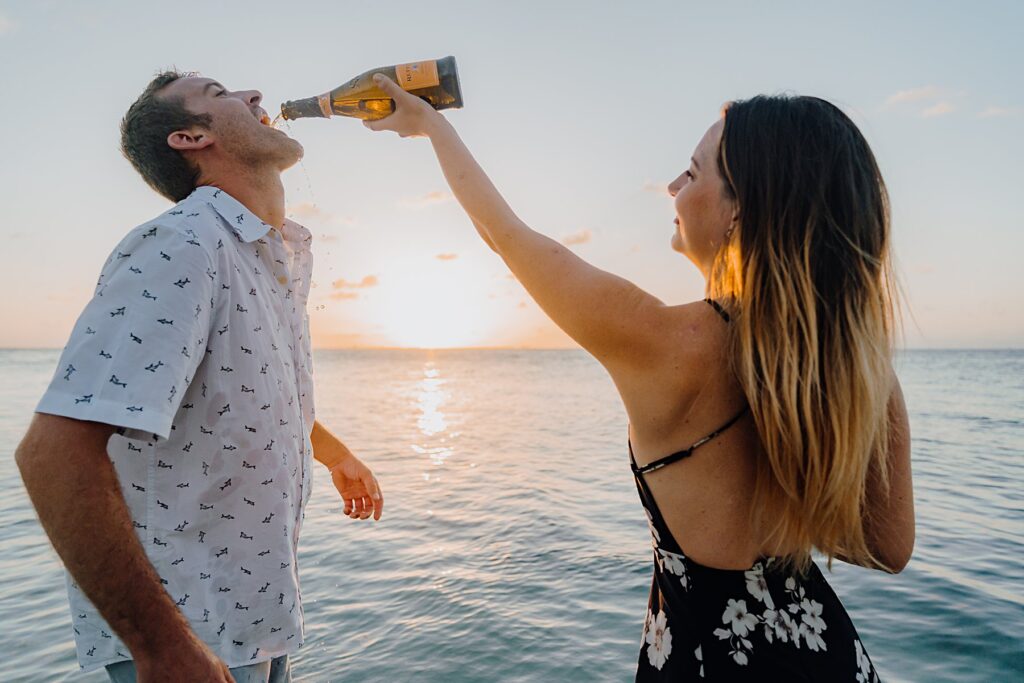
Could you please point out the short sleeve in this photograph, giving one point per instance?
(138, 342)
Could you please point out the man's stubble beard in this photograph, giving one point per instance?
(274, 150)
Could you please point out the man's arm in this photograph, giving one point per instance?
(78, 498)
(353, 479)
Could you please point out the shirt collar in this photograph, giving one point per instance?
(244, 222)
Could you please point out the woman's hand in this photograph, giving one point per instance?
(412, 117)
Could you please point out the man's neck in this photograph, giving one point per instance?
(262, 194)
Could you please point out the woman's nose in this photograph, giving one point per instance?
(675, 186)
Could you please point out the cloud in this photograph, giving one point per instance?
(581, 237)
(935, 100)
(937, 109)
(309, 212)
(428, 199)
(994, 112)
(446, 257)
(656, 187)
(305, 211)
(340, 296)
(5, 24)
(928, 92)
(368, 281)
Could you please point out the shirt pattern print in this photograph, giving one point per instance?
(196, 346)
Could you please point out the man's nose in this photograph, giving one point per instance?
(251, 97)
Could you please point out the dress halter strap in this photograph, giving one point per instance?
(718, 308)
(686, 452)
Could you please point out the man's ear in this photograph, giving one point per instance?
(190, 140)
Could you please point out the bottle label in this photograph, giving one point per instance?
(417, 75)
(325, 104)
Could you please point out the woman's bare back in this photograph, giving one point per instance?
(673, 403)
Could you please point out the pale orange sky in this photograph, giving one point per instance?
(547, 114)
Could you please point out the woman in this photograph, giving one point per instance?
(765, 421)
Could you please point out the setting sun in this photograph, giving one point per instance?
(428, 305)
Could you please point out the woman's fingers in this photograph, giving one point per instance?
(390, 87)
(407, 118)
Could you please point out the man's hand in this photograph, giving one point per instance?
(77, 495)
(354, 480)
(358, 488)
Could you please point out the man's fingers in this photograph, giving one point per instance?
(376, 498)
(370, 482)
(350, 507)
(378, 507)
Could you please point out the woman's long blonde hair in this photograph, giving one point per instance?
(807, 275)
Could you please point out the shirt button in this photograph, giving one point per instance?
(282, 279)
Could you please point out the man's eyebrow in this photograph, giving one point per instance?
(695, 164)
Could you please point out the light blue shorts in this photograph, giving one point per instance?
(272, 671)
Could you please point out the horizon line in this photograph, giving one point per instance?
(530, 348)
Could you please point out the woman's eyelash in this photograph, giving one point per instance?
(688, 174)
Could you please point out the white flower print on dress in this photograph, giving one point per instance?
(757, 586)
(740, 620)
(777, 624)
(813, 624)
(655, 536)
(865, 672)
(673, 563)
(659, 640)
(740, 624)
(700, 658)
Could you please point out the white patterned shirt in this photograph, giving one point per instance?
(196, 345)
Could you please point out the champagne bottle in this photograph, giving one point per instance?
(436, 81)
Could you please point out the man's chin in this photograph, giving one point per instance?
(294, 157)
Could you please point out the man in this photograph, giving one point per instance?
(169, 459)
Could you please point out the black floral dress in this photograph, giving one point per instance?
(763, 623)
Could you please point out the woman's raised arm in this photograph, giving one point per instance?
(610, 317)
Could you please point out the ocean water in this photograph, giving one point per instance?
(513, 547)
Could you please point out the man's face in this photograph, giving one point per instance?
(240, 127)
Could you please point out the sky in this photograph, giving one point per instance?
(581, 113)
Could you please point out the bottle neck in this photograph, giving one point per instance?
(304, 108)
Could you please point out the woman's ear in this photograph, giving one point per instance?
(190, 140)
(734, 223)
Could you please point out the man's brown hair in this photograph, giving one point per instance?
(144, 131)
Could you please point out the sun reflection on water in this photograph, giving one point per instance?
(432, 423)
